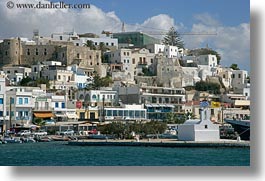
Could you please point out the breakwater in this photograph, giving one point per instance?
(162, 143)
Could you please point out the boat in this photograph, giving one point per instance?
(60, 138)
(242, 127)
(8, 139)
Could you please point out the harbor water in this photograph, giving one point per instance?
(61, 154)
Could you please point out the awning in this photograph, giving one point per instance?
(148, 105)
(60, 115)
(71, 116)
(170, 105)
(44, 115)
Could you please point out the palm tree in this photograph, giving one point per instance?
(39, 122)
(90, 44)
(173, 38)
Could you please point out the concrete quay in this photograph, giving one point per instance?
(161, 143)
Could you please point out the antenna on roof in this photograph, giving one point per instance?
(123, 27)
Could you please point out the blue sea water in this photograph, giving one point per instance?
(61, 154)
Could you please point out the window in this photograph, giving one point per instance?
(126, 113)
(133, 60)
(46, 105)
(151, 60)
(112, 44)
(124, 53)
(63, 105)
(56, 104)
(78, 55)
(128, 61)
(45, 51)
(206, 126)
(131, 114)
(239, 76)
(120, 113)
(61, 37)
(128, 53)
(137, 114)
(28, 52)
(26, 100)
(20, 101)
(212, 111)
(115, 113)
(1, 113)
(1, 101)
(77, 44)
(233, 76)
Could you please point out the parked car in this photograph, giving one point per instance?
(40, 133)
(24, 133)
(66, 132)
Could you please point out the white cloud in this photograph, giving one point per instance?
(232, 42)
(21, 22)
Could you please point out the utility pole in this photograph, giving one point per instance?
(10, 108)
(103, 111)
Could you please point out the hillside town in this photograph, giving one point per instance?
(72, 81)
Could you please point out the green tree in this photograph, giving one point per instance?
(90, 44)
(103, 48)
(234, 66)
(99, 82)
(25, 81)
(39, 122)
(173, 38)
(208, 86)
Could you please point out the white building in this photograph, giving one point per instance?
(2, 103)
(16, 74)
(167, 50)
(190, 76)
(79, 76)
(111, 43)
(199, 130)
(124, 57)
(209, 60)
(239, 80)
(128, 112)
(36, 69)
(22, 103)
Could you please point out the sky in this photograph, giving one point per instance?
(229, 19)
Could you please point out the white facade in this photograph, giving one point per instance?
(190, 76)
(209, 60)
(123, 56)
(142, 58)
(128, 112)
(246, 92)
(2, 103)
(22, 102)
(80, 41)
(167, 50)
(109, 42)
(79, 77)
(239, 80)
(226, 75)
(199, 130)
(16, 74)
